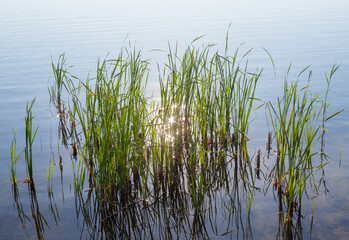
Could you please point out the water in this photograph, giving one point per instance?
(34, 33)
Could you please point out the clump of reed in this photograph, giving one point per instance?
(112, 116)
(134, 154)
(299, 125)
(124, 141)
(206, 101)
(38, 219)
(60, 73)
(129, 147)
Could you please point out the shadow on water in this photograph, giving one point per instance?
(160, 215)
(35, 218)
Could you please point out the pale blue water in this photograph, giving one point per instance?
(34, 33)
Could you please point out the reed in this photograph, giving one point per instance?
(29, 140)
(14, 158)
(49, 177)
(298, 125)
(60, 73)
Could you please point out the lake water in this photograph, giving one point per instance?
(34, 33)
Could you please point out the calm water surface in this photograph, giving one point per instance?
(34, 33)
